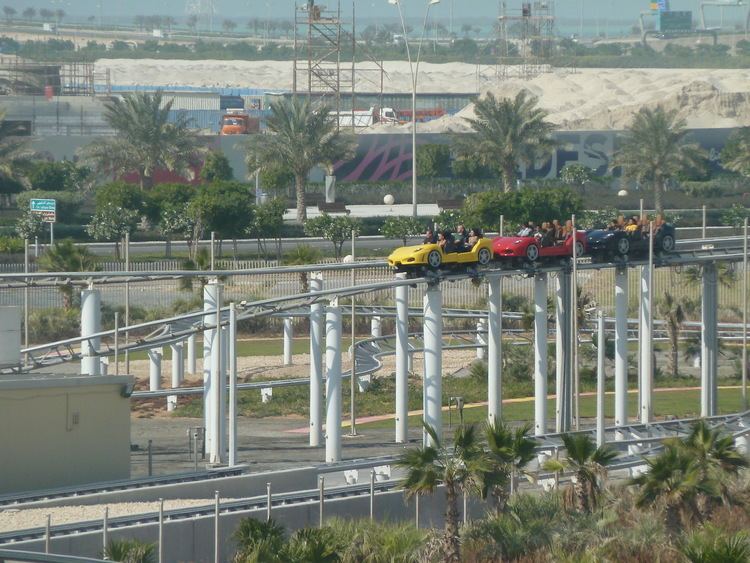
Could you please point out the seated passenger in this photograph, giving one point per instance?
(429, 237)
(526, 230)
(613, 226)
(474, 236)
(558, 231)
(445, 241)
(459, 238)
(548, 236)
(568, 229)
(632, 227)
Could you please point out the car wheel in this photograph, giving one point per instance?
(667, 243)
(580, 249)
(484, 256)
(532, 252)
(434, 259)
(623, 246)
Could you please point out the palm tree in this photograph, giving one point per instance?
(509, 132)
(130, 551)
(146, 140)
(654, 151)
(512, 450)
(65, 256)
(462, 467)
(588, 464)
(258, 540)
(715, 453)
(712, 545)
(735, 155)
(14, 150)
(674, 311)
(674, 480)
(303, 137)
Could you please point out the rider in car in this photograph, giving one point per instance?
(429, 237)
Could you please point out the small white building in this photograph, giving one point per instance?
(58, 431)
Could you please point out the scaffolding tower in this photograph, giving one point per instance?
(23, 77)
(526, 39)
(325, 57)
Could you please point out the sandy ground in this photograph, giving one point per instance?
(23, 519)
(580, 100)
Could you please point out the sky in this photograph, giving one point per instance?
(380, 10)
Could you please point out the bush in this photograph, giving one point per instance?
(58, 176)
(11, 245)
(48, 325)
(120, 194)
(335, 228)
(433, 161)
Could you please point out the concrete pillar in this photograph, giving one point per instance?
(154, 369)
(316, 362)
(709, 340)
(540, 354)
(494, 349)
(621, 349)
(600, 379)
(333, 383)
(223, 393)
(288, 340)
(91, 323)
(402, 361)
(178, 364)
(433, 362)
(376, 330)
(481, 339)
(191, 354)
(563, 340)
(647, 346)
(216, 440)
(209, 306)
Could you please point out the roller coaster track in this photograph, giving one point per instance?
(640, 441)
(170, 330)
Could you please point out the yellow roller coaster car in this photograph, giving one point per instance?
(409, 258)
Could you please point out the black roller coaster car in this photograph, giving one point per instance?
(604, 244)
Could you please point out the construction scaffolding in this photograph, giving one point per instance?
(325, 57)
(526, 39)
(24, 77)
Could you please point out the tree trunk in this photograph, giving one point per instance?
(509, 176)
(299, 184)
(658, 195)
(581, 497)
(452, 549)
(117, 250)
(674, 353)
(673, 520)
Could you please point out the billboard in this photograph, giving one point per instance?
(676, 21)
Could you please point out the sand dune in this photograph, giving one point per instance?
(585, 99)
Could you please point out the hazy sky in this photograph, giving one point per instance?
(380, 9)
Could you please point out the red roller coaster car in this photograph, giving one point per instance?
(531, 250)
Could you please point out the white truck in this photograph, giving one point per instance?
(360, 118)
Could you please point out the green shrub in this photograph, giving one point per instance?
(48, 325)
(11, 245)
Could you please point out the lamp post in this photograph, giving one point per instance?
(414, 68)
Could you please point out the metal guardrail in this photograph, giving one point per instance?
(16, 556)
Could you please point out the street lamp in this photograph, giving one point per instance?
(414, 68)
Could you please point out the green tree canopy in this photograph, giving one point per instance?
(402, 227)
(119, 194)
(509, 132)
(735, 155)
(167, 196)
(301, 138)
(483, 209)
(225, 208)
(58, 175)
(146, 140)
(335, 228)
(216, 168)
(433, 161)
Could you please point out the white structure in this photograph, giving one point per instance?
(402, 361)
(288, 340)
(333, 383)
(433, 362)
(621, 349)
(91, 323)
(540, 354)
(709, 340)
(494, 349)
(316, 363)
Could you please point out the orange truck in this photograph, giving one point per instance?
(238, 122)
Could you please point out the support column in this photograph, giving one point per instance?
(211, 362)
(494, 350)
(621, 349)
(91, 323)
(563, 375)
(376, 330)
(540, 354)
(154, 369)
(709, 340)
(178, 364)
(402, 361)
(333, 383)
(647, 347)
(433, 362)
(600, 378)
(191, 354)
(288, 340)
(481, 339)
(316, 362)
